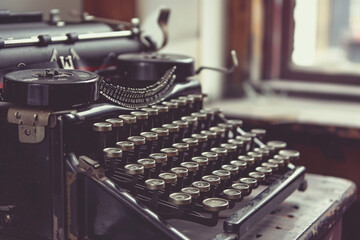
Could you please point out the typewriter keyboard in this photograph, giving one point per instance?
(185, 162)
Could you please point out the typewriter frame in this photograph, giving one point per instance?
(54, 185)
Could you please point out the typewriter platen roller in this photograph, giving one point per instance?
(131, 153)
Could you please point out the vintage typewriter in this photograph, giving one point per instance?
(104, 138)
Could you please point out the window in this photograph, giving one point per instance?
(312, 40)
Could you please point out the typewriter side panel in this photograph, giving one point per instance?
(30, 184)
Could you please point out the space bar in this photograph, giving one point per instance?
(248, 216)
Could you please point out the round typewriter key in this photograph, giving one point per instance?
(217, 130)
(243, 187)
(140, 115)
(141, 118)
(256, 155)
(181, 123)
(252, 182)
(272, 166)
(220, 151)
(102, 127)
(248, 159)
(161, 108)
(264, 152)
(236, 142)
(180, 171)
(149, 136)
(181, 146)
(171, 127)
(198, 101)
(197, 97)
(125, 145)
(277, 145)
(159, 157)
(190, 119)
(191, 141)
(115, 122)
(192, 191)
(154, 184)
(187, 99)
(203, 186)
(286, 159)
(279, 162)
(128, 119)
(161, 132)
(232, 194)
(180, 102)
(246, 140)
(233, 169)
(170, 152)
(222, 174)
(292, 154)
(239, 163)
(220, 132)
(264, 170)
(215, 204)
(150, 111)
(168, 177)
(162, 111)
(147, 162)
(112, 152)
(212, 179)
(180, 198)
(170, 105)
(134, 169)
(202, 161)
(209, 134)
(191, 166)
(137, 140)
(200, 137)
(112, 156)
(199, 116)
(258, 176)
(211, 156)
(229, 147)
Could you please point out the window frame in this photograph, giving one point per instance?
(279, 25)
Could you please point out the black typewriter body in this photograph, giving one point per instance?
(103, 138)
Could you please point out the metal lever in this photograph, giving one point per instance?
(163, 20)
(91, 167)
(229, 70)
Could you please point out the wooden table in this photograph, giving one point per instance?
(313, 214)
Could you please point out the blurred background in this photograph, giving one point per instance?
(298, 74)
